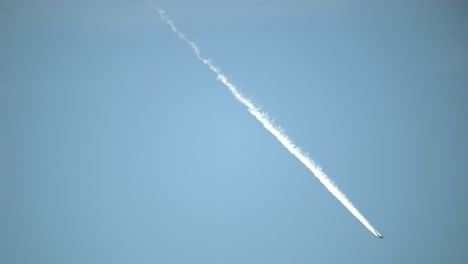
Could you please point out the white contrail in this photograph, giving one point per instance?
(268, 124)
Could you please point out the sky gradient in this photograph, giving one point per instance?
(118, 145)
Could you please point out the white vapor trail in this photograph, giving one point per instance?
(268, 124)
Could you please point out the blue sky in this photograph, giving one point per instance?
(118, 145)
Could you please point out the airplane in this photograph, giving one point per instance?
(380, 236)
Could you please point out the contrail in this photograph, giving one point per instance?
(268, 124)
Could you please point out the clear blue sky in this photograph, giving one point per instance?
(118, 146)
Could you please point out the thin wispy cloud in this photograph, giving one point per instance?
(263, 118)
